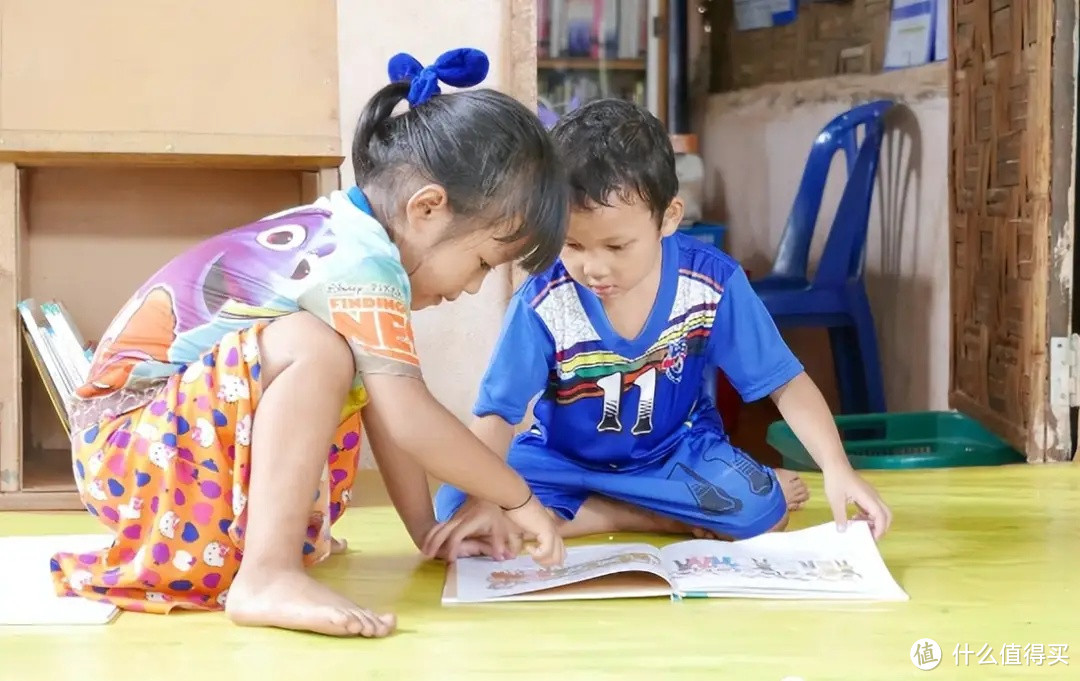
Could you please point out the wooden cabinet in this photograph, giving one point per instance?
(162, 78)
(128, 132)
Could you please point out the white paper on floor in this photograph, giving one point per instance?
(27, 596)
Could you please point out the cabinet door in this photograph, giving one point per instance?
(242, 78)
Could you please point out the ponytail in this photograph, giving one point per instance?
(378, 110)
(495, 160)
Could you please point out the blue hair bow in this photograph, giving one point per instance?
(461, 67)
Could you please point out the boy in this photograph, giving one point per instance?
(615, 339)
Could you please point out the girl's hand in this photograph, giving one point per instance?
(536, 520)
(844, 486)
(478, 528)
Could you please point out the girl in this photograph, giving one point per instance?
(219, 430)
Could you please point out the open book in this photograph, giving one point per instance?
(816, 563)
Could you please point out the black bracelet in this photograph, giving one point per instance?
(521, 505)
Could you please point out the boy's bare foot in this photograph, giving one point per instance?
(601, 515)
(293, 600)
(795, 490)
(702, 533)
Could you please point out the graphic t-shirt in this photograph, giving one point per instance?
(610, 402)
(330, 258)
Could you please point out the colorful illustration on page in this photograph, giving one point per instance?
(764, 568)
(506, 579)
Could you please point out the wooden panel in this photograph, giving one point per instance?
(237, 78)
(521, 67)
(12, 254)
(1002, 224)
(522, 81)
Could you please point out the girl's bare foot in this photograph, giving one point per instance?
(795, 490)
(293, 600)
(338, 546)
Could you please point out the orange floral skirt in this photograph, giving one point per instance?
(170, 479)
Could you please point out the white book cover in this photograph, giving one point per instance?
(70, 341)
(817, 563)
(38, 329)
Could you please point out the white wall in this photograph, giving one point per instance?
(754, 146)
(455, 339)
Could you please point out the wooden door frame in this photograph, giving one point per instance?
(1051, 437)
(1060, 433)
(521, 84)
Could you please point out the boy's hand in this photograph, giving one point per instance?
(534, 519)
(478, 528)
(844, 486)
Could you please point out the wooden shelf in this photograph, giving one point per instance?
(121, 147)
(194, 157)
(590, 64)
(48, 483)
(48, 471)
(89, 237)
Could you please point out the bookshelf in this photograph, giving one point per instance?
(120, 148)
(592, 49)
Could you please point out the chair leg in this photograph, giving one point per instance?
(864, 329)
(844, 343)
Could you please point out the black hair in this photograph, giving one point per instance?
(614, 148)
(491, 154)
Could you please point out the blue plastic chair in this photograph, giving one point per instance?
(836, 297)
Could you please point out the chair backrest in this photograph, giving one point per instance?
(845, 248)
(841, 133)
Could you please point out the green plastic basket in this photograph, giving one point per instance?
(932, 439)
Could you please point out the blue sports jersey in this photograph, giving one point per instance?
(610, 402)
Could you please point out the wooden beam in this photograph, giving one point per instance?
(41, 501)
(13, 242)
(231, 161)
(1062, 243)
(520, 82)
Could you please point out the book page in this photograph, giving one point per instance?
(817, 562)
(483, 579)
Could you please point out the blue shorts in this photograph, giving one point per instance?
(705, 482)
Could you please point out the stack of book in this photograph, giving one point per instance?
(59, 351)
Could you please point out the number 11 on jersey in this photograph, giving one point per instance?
(612, 388)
